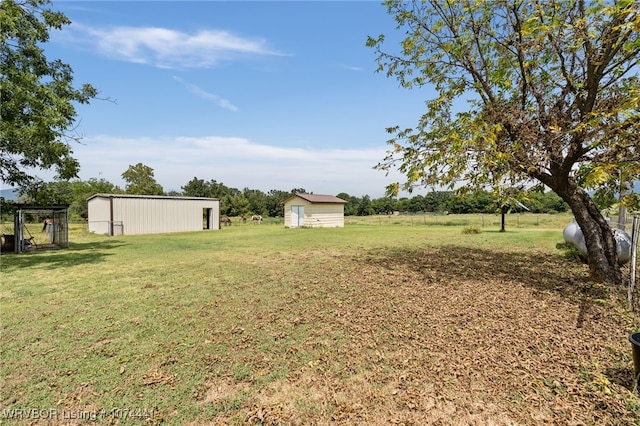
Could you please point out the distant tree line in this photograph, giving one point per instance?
(450, 202)
(235, 202)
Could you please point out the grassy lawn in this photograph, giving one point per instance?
(374, 323)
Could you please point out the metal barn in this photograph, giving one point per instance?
(118, 214)
(314, 211)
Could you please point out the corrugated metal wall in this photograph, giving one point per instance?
(152, 215)
(99, 215)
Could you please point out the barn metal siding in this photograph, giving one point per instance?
(153, 215)
(99, 216)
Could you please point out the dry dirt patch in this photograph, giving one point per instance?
(449, 336)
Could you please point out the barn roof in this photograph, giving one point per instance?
(317, 198)
(160, 197)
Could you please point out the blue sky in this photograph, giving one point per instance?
(265, 95)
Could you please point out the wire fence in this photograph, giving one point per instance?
(519, 220)
(629, 271)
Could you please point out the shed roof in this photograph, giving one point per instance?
(41, 206)
(159, 197)
(317, 198)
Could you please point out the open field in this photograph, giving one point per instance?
(369, 324)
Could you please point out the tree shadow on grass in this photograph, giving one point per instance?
(542, 272)
(623, 376)
(76, 254)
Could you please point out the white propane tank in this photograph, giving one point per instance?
(573, 234)
(623, 243)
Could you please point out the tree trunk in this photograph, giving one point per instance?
(598, 235)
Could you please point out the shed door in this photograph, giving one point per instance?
(297, 216)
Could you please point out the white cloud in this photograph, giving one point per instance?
(237, 162)
(351, 67)
(198, 91)
(169, 48)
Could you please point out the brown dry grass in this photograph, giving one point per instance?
(443, 336)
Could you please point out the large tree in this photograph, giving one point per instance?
(552, 95)
(74, 192)
(197, 188)
(37, 96)
(141, 181)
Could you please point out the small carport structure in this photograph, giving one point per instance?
(55, 219)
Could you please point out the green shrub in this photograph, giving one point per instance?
(571, 251)
(471, 230)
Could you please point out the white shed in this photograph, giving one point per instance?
(314, 211)
(117, 214)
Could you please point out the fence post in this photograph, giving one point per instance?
(634, 253)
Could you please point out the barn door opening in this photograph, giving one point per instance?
(297, 216)
(207, 218)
